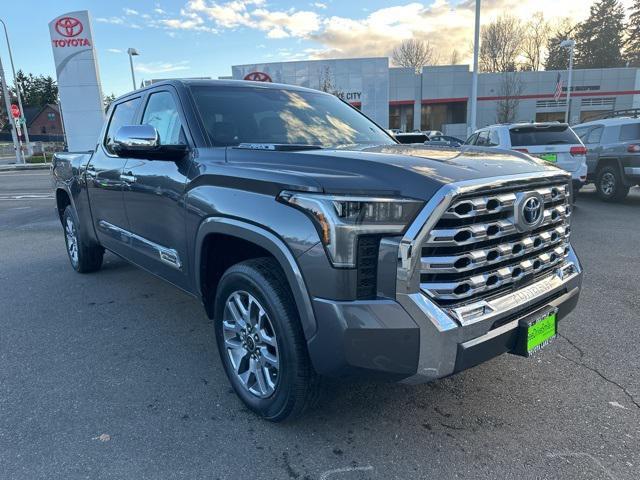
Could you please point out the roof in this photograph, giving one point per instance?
(526, 124)
(188, 82)
(609, 122)
(31, 113)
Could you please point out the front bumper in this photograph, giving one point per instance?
(414, 342)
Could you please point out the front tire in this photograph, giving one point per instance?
(261, 343)
(610, 185)
(84, 258)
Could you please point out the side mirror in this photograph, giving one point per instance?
(143, 141)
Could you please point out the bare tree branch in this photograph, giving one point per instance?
(414, 54)
(501, 44)
(535, 39)
(510, 89)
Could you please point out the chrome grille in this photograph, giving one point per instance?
(476, 249)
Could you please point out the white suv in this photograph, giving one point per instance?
(554, 142)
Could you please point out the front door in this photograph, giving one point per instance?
(153, 195)
(105, 184)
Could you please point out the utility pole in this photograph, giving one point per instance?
(19, 95)
(474, 78)
(569, 45)
(7, 103)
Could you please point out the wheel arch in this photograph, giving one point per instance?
(262, 240)
(63, 200)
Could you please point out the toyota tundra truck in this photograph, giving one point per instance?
(317, 244)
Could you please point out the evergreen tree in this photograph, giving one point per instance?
(632, 50)
(557, 56)
(599, 39)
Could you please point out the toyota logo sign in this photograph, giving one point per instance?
(258, 77)
(69, 27)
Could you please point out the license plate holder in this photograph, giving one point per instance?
(536, 331)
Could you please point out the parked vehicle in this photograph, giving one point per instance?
(445, 140)
(317, 244)
(553, 142)
(413, 137)
(613, 155)
(432, 133)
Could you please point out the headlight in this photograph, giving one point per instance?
(341, 219)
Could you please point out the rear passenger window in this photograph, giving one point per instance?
(630, 132)
(594, 136)
(121, 115)
(494, 138)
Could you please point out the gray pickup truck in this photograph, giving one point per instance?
(317, 243)
(613, 155)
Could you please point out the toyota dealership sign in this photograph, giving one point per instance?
(78, 81)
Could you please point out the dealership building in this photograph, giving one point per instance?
(438, 97)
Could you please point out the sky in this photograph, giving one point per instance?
(204, 38)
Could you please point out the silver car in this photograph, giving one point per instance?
(613, 155)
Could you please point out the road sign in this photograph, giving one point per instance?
(15, 111)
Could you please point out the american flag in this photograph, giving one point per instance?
(558, 91)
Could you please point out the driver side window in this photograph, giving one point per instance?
(161, 112)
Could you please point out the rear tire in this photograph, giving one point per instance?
(261, 343)
(84, 258)
(610, 184)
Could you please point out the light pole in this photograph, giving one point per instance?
(474, 78)
(569, 45)
(19, 95)
(132, 52)
(7, 103)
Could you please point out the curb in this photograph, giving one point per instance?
(33, 166)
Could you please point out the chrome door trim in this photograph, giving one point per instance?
(166, 255)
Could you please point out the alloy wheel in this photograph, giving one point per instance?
(251, 344)
(607, 183)
(72, 240)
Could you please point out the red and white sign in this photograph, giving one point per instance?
(258, 77)
(15, 111)
(70, 28)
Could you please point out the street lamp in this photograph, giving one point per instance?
(132, 52)
(474, 78)
(569, 45)
(15, 83)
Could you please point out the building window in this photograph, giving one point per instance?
(549, 116)
(435, 115)
(401, 117)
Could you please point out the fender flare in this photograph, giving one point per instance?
(618, 165)
(274, 245)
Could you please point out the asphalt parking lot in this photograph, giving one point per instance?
(116, 375)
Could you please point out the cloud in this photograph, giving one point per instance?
(130, 11)
(114, 50)
(161, 67)
(319, 5)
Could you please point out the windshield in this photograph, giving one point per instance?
(235, 115)
(542, 135)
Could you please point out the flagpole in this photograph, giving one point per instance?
(568, 44)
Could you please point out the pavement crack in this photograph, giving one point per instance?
(605, 378)
(572, 343)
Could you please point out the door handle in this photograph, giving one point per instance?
(128, 178)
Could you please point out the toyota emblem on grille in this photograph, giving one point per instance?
(528, 211)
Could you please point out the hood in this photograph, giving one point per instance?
(414, 171)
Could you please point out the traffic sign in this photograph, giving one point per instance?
(15, 111)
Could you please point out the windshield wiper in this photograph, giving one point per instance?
(280, 147)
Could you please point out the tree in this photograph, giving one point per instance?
(454, 59)
(36, 91)
(108, 100)
(534, 42)
(414, 54)
(632, 50)
(510, 89)
(599, 39)
(557, 56)
(501, 44)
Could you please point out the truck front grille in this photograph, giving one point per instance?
(478, 249)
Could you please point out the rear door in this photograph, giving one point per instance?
(551, 142)
(104, 182)
(154, 193)
(592, 139)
